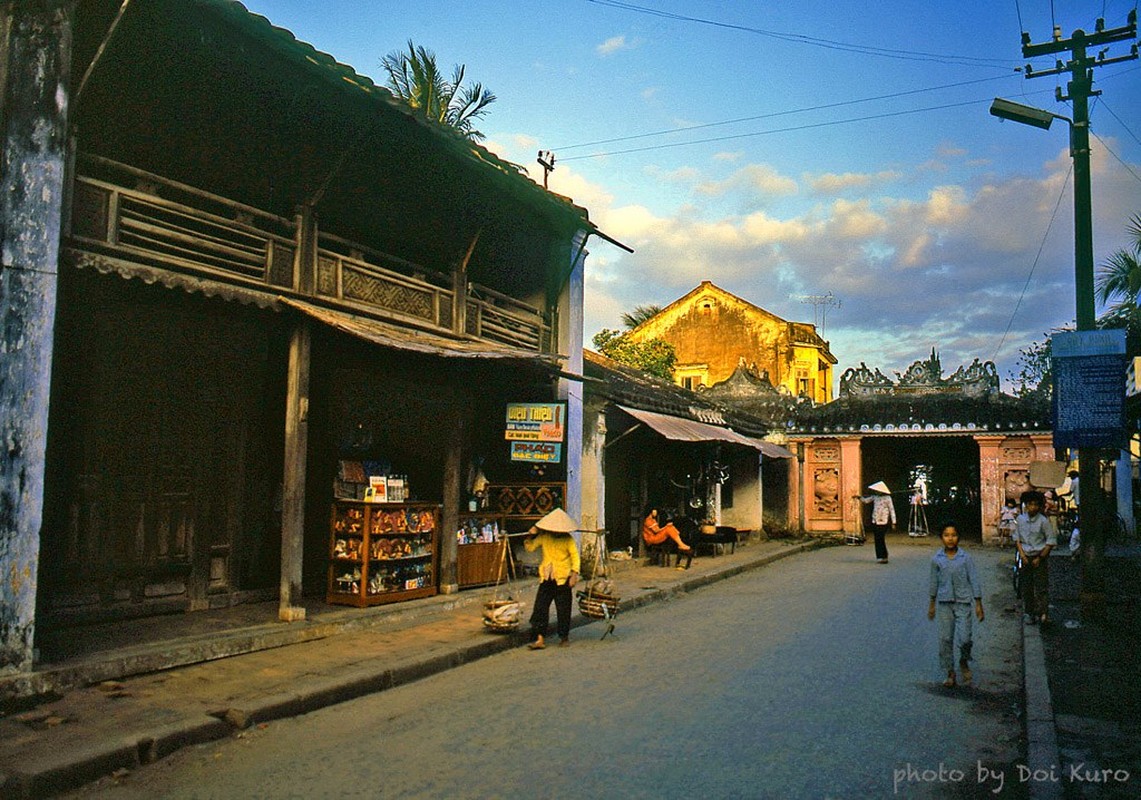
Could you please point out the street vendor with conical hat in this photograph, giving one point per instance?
(558, 573)
(883, 516)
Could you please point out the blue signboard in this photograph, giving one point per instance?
(1089, 388)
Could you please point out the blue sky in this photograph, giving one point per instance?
(784, 150)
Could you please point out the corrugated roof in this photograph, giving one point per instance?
(687, 430)
(401, 338)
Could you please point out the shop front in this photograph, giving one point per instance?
(414, 486)
(655, 443)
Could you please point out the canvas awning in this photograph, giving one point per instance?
(410, 339)
(680, 429)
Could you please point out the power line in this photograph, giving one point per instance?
(1034, 265)
(791, 129)
(830, 44)
(789, 112)
(1120, 161)
(1119, 120)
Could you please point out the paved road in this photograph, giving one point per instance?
(814, 677)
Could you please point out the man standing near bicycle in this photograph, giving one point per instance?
(1034, 536)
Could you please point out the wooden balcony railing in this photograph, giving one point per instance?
(169, 225)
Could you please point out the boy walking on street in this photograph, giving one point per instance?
(954, 584)
(1034, 536)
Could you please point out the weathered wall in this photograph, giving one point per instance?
(36, 50)
(712, 331)
(716, 332)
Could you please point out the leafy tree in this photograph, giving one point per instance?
(1034, 379)
(414, 77)
(655, 356)
(1120, 276)
(632, 319)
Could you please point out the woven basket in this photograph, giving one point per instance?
(597, 606)
(501, 616)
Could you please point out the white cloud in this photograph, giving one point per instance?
(945, 269)
(754, 180)
(831, 183)
(612, 45)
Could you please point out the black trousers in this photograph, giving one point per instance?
(1036, 587)
(541, 614)
(878, 532)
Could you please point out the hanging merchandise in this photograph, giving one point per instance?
(600, 598)
(502, 614)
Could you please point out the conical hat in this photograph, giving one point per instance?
(558, 521)
(880, 486)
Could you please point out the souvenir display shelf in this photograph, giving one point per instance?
(478, 562)
(382, 552)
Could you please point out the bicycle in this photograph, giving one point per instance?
(1016, 573)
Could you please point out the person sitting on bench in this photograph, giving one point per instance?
(653, 533)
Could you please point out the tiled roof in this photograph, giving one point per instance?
(938, 413)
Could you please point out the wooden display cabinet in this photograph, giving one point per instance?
(478, 562)
(382, 552)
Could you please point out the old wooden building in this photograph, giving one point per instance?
(231, 264)
(713, 331)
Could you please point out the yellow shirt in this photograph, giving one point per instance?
(560, 555)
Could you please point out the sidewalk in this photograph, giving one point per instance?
(1094, 672)
(129, 714)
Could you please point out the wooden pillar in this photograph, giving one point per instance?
(35, 62)
(796, 485)
(452, 498)
(290, 608)
(290, 605)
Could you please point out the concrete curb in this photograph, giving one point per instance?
(1042, 756)
(63, 771)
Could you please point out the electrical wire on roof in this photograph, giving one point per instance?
(829, 44)
(1034, 265)
(789, 112)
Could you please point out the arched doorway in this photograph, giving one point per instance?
(950, 465)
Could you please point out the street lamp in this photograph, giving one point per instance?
(1027, 115)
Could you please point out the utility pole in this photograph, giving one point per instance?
(546, 160)
(1094, 511)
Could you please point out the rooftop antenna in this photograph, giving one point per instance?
(820, 305)
(546, 160)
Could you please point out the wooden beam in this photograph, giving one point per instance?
(459, 289)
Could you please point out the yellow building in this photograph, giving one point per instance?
(714, 331)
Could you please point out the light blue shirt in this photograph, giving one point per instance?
(1034, 532)
(955, 580)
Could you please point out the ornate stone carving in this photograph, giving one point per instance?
(977, 379)
(826, 487)
(825, 451)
